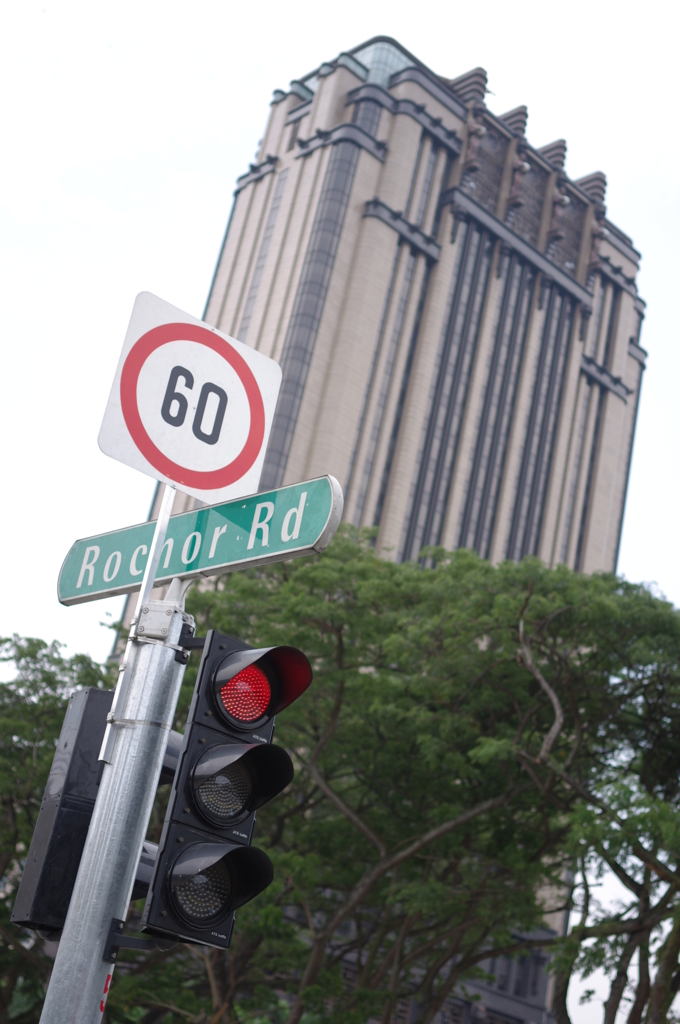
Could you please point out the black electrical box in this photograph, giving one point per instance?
(61, 829)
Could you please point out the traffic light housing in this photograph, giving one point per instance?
(53, 859)
(205, 867)
(44, 894)
(227, 770)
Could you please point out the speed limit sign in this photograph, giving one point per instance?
(189, 405)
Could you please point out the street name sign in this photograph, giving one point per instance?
(266, 527)
(189, 405)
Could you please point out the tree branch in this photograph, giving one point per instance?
(527, 658)
(648, 858)
(372, 876)
(346, 810)
(319, 780)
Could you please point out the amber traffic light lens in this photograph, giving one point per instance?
(226, 794)
(205, 896)
(247, 695)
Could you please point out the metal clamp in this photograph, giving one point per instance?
(159, 643)
(116, 940)
(112, 720)
(188, 642)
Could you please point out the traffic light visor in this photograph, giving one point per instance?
(251, 686)
(209, 880)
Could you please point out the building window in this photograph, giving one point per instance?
(504, 968)
(382, 60)
(262, 255)
(483, 486)
(534, 472)
(450, 390)
(292, 138)
(308, 307)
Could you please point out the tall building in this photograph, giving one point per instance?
(457, 320)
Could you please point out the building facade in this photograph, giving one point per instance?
(457, 321)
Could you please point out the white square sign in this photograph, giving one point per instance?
(189, 405)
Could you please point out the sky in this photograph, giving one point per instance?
(124, 126)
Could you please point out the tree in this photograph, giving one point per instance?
(472, 732)
(32, 708)
(513, 676)
(404, 852)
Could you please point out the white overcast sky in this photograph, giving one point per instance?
(124, 127)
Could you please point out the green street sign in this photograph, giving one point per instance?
(261, 528)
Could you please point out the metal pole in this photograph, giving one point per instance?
(133, 749)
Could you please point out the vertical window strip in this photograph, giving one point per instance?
(576, 470)
(585, 508)
(408, 365)
(554, 404)
(436, 464)
(532, 444)
(497, 409)
(416, 170)
(394, 340)
(487, 520)
(443, 379)
(590, 348)
(629, 457)
(367, 115)
(262, 255)
(527, 463)
(542, 442)
(595, 444)
(378, 347)
(611, 327)
(308, 307)
(427, 186)
(433, 531)
(510, 270)
(401, 401)
(384, 387)
(294, 131)
(371, 378)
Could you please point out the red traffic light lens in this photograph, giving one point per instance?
(247, 695)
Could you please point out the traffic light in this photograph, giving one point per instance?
(205, 868)
(44, 894)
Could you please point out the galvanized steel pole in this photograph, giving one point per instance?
(133, 749)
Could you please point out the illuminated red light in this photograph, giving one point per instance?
(246, 696)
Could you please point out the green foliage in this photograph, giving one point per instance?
(32, 709)
(471, 732)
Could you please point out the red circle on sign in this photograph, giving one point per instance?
(132, 367)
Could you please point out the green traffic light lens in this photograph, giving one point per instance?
(206, 895)
(226, 794)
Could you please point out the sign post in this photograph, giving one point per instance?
(192, 408)
(134, 746)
